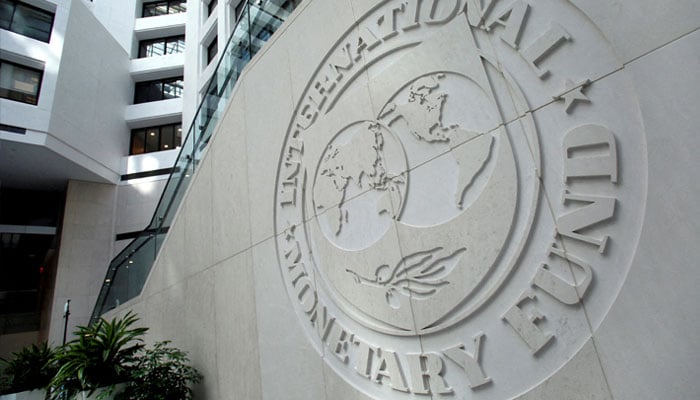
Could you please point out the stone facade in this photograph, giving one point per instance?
(447, 199)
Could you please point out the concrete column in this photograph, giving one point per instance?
(87, 238)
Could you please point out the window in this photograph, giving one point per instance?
(163, 89)
(211, 6)
(239, 9)
(155, 138)
(19, 83)
(159, 47)
(212, 49)
(26, 20)
(164, 7)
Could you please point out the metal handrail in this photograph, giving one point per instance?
(142, 251)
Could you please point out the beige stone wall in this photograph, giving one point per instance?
(623, 329)
(87, 237)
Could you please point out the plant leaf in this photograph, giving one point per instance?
(421, 275)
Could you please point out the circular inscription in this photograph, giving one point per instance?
(436, 234)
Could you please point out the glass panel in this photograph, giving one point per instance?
(211, 101)
(137, 268)
(152, 138)
(175, 188)
(144, 49)
(116, 293)
(178, 135)
(32, 22)
(161, 9)
(138, 141)
(148, 91)
(153, 48)
(237, 53)
(167, 137)
(6, 10)
(172, 89)
(149, 10)
(19, 83)
(115, 289)
(175, 45)
(280, 9)
(157, 48)
(178, 6)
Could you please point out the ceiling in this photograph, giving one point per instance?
(36, 167)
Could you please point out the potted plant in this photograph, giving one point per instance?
(99, 358)
(161, 373)
(28, 373)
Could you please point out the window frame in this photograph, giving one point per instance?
(38, 87)
(164, 41)
(168, 5)
(15, 4)
(214, 45)
(161, 83)
(176, 134)
(213, 4)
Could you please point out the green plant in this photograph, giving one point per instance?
(161, 373)
(101, 356)
(29, 369)
(4, 381)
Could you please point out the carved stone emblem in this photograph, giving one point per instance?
(443, 207)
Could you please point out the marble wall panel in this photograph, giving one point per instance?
(450, 210)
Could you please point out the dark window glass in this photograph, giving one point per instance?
(26, 20)
(178, 134)
(155, 8)
(163, 89)
(167, 137)
(211, 6)
(212, 49)
(161, 9)
(151, 49)
(138, 141)
(175, 45)
(177, 7)
(155, 138)
(148, 91)
(172, 89)
(19, 83)
(162, 46)
(7, 8)
(152, 137)
(239, 9)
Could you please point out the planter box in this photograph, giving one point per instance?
(31, 395)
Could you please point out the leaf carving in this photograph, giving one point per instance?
(418, 276)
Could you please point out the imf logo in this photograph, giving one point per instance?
(447, 197)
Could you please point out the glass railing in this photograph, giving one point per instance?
(127, 273)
